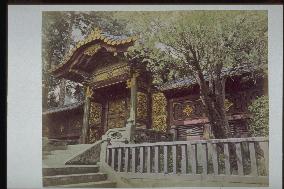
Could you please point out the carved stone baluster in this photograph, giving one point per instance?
(119, 160)
(107, 156)
(113, 158)
(141, 155)
(165, 159)
(183, 159)
(192, 157)
(149, 159)
(126, 160)
(202, 147)
(264, 146)
(239, 159)
(214, 158)
(133, 153)
(227, 159)
(252, 159)
(174, 154)
(157, 159)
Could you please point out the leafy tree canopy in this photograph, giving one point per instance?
(259, 122)
(173, 41)
(204, 45)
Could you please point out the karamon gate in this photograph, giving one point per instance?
(116, 88)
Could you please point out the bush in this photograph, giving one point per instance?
(259, 122)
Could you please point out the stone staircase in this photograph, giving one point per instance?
(57, 174)
(76, 176)
(60, 154)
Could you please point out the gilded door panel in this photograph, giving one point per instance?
(159, 112)
(95, 122)
(117, 113)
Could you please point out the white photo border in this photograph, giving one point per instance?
(24, 128)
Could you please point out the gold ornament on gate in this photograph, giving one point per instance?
(188, 110)
(142, 105)
(89, 92)
(227, 104)
(159, 112)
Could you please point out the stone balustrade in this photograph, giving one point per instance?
(218, 157)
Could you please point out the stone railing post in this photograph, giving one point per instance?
(103, 153)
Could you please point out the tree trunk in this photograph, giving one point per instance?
(213, 97)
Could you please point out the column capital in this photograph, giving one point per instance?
(89, 92)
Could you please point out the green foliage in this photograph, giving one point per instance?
(259, 123)
(216, 39)
(201, 45)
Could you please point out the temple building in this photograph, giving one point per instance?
(118, 88)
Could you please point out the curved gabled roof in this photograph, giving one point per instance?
(85, 50)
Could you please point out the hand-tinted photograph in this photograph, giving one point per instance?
(155, 98)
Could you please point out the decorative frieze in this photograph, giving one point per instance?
(159, 112)
(117, 113)
(95, 116)
(187, 109)
(142, 105)
(110, 73)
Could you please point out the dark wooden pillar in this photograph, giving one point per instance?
(105, 115)
(149, 110)
(85, 128)
(133, 98)
(169, 113)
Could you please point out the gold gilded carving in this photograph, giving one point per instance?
(96, 34)
(142, 105)
(89, 92)
(93, 135)
(187, 110)
(131, 82)
(117, 113)
(95, 115)
(92, 50)
(227, 104)
(159, 112)
(113, 72)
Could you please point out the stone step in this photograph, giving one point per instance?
(78, 146)
(59, 157)
(68, 170)
(99, 184)
(54, 147)
(73, 179)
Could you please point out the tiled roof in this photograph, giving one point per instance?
(97, 34)
(189, 81)
(63, 108)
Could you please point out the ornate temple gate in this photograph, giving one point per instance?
(116, 88)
